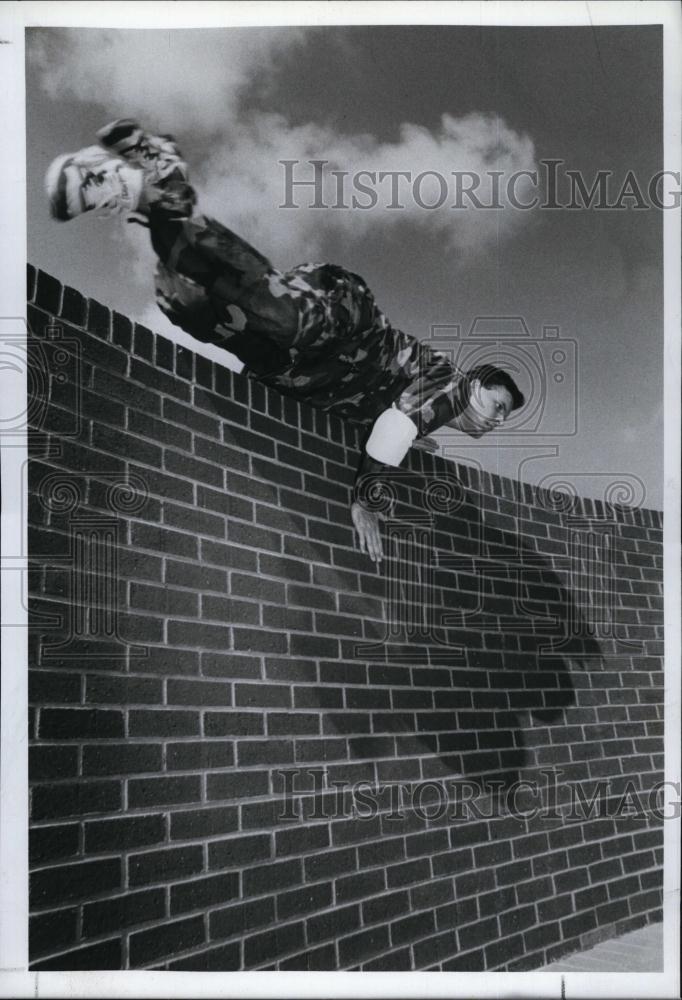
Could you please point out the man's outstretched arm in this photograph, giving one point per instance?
(365, 520)
(387, 445)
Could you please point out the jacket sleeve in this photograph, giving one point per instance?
(368, 489)
(435, 396)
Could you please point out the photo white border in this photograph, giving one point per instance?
(14, 980)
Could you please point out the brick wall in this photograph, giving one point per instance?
(201, 626)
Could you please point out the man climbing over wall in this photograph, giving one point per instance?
(314, 333)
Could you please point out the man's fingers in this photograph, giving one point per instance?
(364, 539)
(376, 543)
(369, 536)
(370, 548)
(366, 542)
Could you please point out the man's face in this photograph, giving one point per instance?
(105, 183)
(487, 410)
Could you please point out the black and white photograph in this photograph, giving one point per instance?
(341, 499)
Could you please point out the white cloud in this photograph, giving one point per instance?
(243, 183)
(196, 84)
(192, 83)
(177, 80)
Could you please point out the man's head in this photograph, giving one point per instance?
(493, 395)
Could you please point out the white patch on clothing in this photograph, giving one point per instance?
(404, 356)
(235, 319)
(391, 437)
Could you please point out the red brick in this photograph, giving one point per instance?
(163, 722)
(333, 924)
(237, 785)
(241, 918)
(273, 944)
(52, 761)
(164, 865)
(51, 887)
(198, 692)
(110, 759)
(163, 791)
(63, 799)
(53, 843)
(52, 931)
(201, 755)
(94, 957)
(301, 902)
(202, 893)
(196, 823)
(220, 959)
(111, 915)
(78, 724)
(124, 833)
(166, 939)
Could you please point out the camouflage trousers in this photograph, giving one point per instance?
(314, 333)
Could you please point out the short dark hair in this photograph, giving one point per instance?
(490, 376)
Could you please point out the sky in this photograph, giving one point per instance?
(417, 99)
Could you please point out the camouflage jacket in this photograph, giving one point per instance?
(356, 364)
(314, 333)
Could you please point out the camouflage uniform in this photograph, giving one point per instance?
(314, 333)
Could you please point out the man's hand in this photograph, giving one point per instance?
(367, 526)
